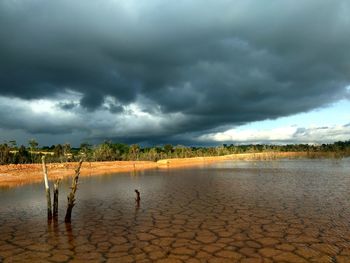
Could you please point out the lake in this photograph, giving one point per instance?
(234, 211)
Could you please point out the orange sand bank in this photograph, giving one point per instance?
(18, 174)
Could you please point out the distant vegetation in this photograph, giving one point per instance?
(10, 153)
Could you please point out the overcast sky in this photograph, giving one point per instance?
(184, 72)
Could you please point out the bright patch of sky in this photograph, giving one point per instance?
(324, 125)
(336, 114)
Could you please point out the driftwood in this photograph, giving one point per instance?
(71, 195)
(55, 198)
(47, 189)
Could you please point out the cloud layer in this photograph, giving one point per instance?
(139, 71)
(282, 135)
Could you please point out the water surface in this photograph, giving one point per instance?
(236, 211)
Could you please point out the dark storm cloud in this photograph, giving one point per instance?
(215, 62)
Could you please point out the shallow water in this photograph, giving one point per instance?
(246, 211)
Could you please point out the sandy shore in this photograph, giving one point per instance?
(19, 174)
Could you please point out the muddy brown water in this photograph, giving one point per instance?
(235, 211)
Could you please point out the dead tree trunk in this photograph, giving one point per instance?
(55, 199)
(47, 189)
(71, 195)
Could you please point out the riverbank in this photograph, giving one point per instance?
(19, 174)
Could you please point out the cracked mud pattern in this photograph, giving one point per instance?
(268, 211)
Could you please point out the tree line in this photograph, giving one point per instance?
(10, 153)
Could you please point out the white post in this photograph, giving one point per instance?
(47, 189)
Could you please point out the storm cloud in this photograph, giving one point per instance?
(139, 71)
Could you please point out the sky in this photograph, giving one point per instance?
(187, 72)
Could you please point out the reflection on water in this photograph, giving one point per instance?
(268, 211)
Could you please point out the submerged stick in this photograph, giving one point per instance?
(47, 189)
(55, 198)
(71, 195)
(138, 198)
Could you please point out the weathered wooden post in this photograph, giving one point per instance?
(71, 195)
(47, 189)
(55, 198)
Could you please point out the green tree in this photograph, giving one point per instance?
(104, 152)
(33, 144)
(151, 155)
(168, 148)
(121, 150)
(13, 144)
(179, 151)
(67, 151)
(5, 155)
(85, 150)
(23, 155)
(134, 152)
(58, 152)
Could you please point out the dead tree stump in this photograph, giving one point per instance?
(55, 198)
(47, 189)
(71, 195)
